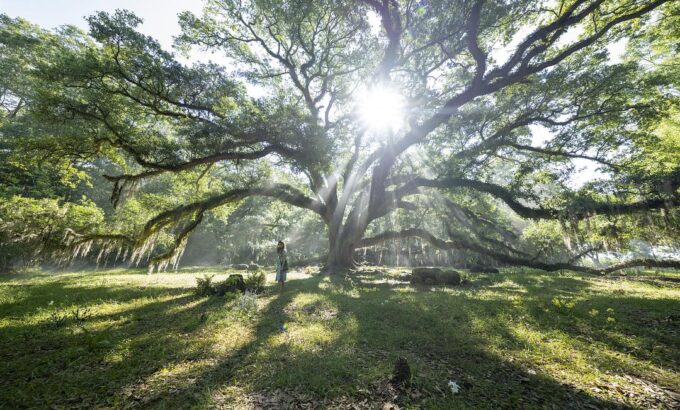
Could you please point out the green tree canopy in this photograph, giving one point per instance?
(476, 77)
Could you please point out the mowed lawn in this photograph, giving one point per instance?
(125, 339)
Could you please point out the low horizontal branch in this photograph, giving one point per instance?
(281, 192)
(585, 210)
(459, 243)
(644, 262)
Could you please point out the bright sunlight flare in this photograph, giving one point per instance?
(381, 109)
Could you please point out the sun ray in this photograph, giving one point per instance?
(381, 109)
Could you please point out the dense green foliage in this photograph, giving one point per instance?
(217, 162)
(33, 228)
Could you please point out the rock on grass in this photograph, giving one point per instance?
(435, 276)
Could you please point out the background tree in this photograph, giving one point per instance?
(475, 76)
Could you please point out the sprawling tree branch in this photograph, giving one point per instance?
(502, 77)
(195, 211)
(472, 30)
(124, 180)
(556, 29)
(586, 209)
(281, 192)
(457, 242)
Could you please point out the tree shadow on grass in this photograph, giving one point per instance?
(28, 298)
(633, 329)
(347, 356)
(338, 348)
(643, 325)
(82, 360)
(448, 337)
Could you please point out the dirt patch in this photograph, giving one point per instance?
(640, 393)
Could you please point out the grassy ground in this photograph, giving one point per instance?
(122, 338)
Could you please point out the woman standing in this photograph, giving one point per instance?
(281, 264)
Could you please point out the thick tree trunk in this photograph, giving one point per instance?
(342, 243)
(340, 258)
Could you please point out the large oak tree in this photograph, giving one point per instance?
(476, 76)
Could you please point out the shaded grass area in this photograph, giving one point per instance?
(122, 338)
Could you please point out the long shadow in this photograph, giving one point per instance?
(342, 339)
(645, 334)
(460, 351)
(640, 342)
(83, 361)
(369, 336)
(647, 330)
(225, 370)
(30, 297)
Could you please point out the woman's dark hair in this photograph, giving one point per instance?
(280, 246)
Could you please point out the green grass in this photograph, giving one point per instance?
(122, 338)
